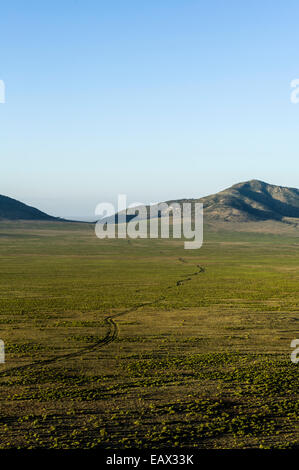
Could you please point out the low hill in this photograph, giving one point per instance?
(11, 209)
(248, 202)
(253, 201)
(251, 205)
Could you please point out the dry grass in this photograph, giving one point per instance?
(199, 357)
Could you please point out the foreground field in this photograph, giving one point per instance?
(122, 343)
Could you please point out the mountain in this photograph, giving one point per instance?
(253, 201)
(11, 209)
(248, 202)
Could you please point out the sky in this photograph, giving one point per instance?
(159, 99)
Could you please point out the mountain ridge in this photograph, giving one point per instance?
(12, 209)
(248, 201)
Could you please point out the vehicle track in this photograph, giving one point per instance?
(110, 337)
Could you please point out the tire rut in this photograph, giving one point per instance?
(110, 337)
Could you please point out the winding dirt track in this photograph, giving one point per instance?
(111, 335)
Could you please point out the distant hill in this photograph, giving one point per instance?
(11, 209)
(252, 201)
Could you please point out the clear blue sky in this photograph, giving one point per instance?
(157, 99)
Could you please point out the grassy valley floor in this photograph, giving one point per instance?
(140, 343)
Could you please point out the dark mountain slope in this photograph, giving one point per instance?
(11, 209)
(252, 201)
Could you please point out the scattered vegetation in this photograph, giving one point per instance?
(143, 344)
